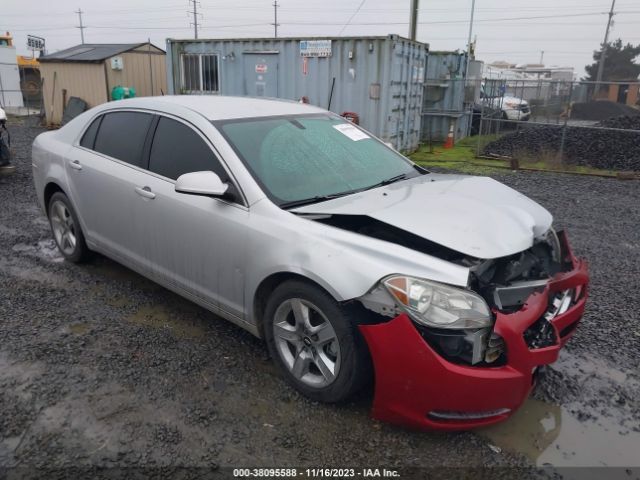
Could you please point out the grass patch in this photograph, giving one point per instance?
(462, 158)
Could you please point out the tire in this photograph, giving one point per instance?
(66, 230)
(344, 360)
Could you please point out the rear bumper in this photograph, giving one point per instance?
(413, 380)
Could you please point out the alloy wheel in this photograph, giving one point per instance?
(63, 226)
(307, 343)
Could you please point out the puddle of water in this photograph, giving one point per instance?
(44, 249)
(156, 316)
(551, 435)
(79, 328)
(588, 367)
(118, 301)
(9, 230)
(17, 267)
(114, 271)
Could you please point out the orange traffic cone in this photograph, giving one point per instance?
(449, 142)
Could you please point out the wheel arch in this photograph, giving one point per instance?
(270, 283)
(50, 188)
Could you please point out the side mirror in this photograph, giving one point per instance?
(201, 183)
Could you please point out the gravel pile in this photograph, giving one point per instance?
(101, 368)
(600, 110)
(607, 149)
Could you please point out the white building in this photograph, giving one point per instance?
(10, 93)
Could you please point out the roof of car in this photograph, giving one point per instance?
(218, 107)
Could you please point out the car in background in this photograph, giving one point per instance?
(354, 264)
(510, 107)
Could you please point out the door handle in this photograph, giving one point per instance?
(75, 165)
(145, 192)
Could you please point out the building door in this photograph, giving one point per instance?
(261, 75)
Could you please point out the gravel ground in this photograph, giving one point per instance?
(100, 367)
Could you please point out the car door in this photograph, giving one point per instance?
(104, 171)
(195, 242)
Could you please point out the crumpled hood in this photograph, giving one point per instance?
(477, 216)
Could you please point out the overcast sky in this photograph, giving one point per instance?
(513, 30)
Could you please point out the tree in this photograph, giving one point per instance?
(618, 62)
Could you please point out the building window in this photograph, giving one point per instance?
(200, 73)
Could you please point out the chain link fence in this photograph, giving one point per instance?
(580, 124)
(27, 101)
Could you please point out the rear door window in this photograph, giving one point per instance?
(122, 136)
(89, 137)
(178, 149)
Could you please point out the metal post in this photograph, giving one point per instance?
(150, 64)
(564, 127)
(481, 122)
(466, 70)
(413, 22)
(603, 53)
(81, 27)
(195, 18)
(275, 18)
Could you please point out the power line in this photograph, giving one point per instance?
(115, 27)
(483, 20)
(81, 27)
(351, 17)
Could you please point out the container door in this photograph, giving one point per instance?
(407, 77)
(261, 75)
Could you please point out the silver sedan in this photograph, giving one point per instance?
(304, 229)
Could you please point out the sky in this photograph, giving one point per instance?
(517, 31)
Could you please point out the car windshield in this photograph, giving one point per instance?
(312, 157)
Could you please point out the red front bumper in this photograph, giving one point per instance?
(412, 379)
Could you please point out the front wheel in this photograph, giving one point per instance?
(316, 343)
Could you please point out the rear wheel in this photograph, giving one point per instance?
(315, 342)
(66, 229)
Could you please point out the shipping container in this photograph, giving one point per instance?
(379, 79)
(10, 93)
(449, 95)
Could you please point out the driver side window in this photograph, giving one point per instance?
(178, 149)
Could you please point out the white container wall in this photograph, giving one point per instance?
(378, 78)
(10, 93)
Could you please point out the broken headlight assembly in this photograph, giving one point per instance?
(455, 322)
(437, 305)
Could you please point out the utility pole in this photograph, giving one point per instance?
(466, 70)
(275, 19)
(413, 23)
(195, 17)
(81, 27)
(541, 56)
(603, 53)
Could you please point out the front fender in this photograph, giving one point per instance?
(344, 263)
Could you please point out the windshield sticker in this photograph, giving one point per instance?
(350, 131)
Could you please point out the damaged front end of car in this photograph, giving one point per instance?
(455, 358)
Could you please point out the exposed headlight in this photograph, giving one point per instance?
(512, 104)
(436, 305)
